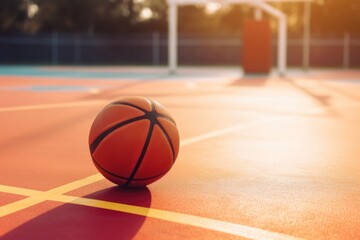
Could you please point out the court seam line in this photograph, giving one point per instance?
(33, 200)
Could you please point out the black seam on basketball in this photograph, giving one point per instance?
(105, 133)
(146, 145)
(168, 140)
(112, 174)
(144, 179)
(159, 114)
(166, 117)
(142, 155)
(130, 105)
(117, 176)
(163, 129)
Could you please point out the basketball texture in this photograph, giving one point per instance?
(134, 141)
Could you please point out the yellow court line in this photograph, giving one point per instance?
(34, 199)
(52, 106)
(43, 196)
(19, 191)
(181, 218)
(76, 184)
(21, 204)
(216, 225)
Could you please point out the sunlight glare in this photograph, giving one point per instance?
(146, 13)
(212, 7)
(32, 10)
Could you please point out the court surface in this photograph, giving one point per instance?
(260, 157)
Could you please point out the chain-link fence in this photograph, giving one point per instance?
(151, 49)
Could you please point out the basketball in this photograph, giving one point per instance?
(134, 141)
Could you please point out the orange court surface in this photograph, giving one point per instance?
(260, 157)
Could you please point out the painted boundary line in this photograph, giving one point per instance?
(190, 220)
(91, 103)
(56, 194)
(28, 202)
(52, 106)
(43, 196)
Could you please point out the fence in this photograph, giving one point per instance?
(60, 49)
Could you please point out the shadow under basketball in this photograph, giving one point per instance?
(70, 221)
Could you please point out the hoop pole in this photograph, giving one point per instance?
(172, 47)
(282, 43)
(306, 39)
(282, 33)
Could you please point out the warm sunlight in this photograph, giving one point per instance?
(212, 7)
(32, 10)
(146, 13)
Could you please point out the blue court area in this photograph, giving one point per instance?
(77, 72)
(123, 72)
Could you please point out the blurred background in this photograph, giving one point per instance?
(103, 32)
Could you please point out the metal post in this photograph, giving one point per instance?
(55, 48)
(282, 46)
(346, 54)
(77, 50)
(172, 38)
(156, 48)
(306, 36)
(282, 33)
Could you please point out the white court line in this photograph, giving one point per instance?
(238, 127)
(94, 102)
(51, 106)
(231, 129)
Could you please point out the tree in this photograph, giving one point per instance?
(336, 17)
(100, 16)
(329, 17)
(13, 14)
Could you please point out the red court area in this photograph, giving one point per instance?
(260, 157)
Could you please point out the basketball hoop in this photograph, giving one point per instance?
(262, 5)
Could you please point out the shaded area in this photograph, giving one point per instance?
(341, 91)
(71, 221)
(322, 99)
(250, 81)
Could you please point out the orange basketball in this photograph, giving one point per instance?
(134, 141)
